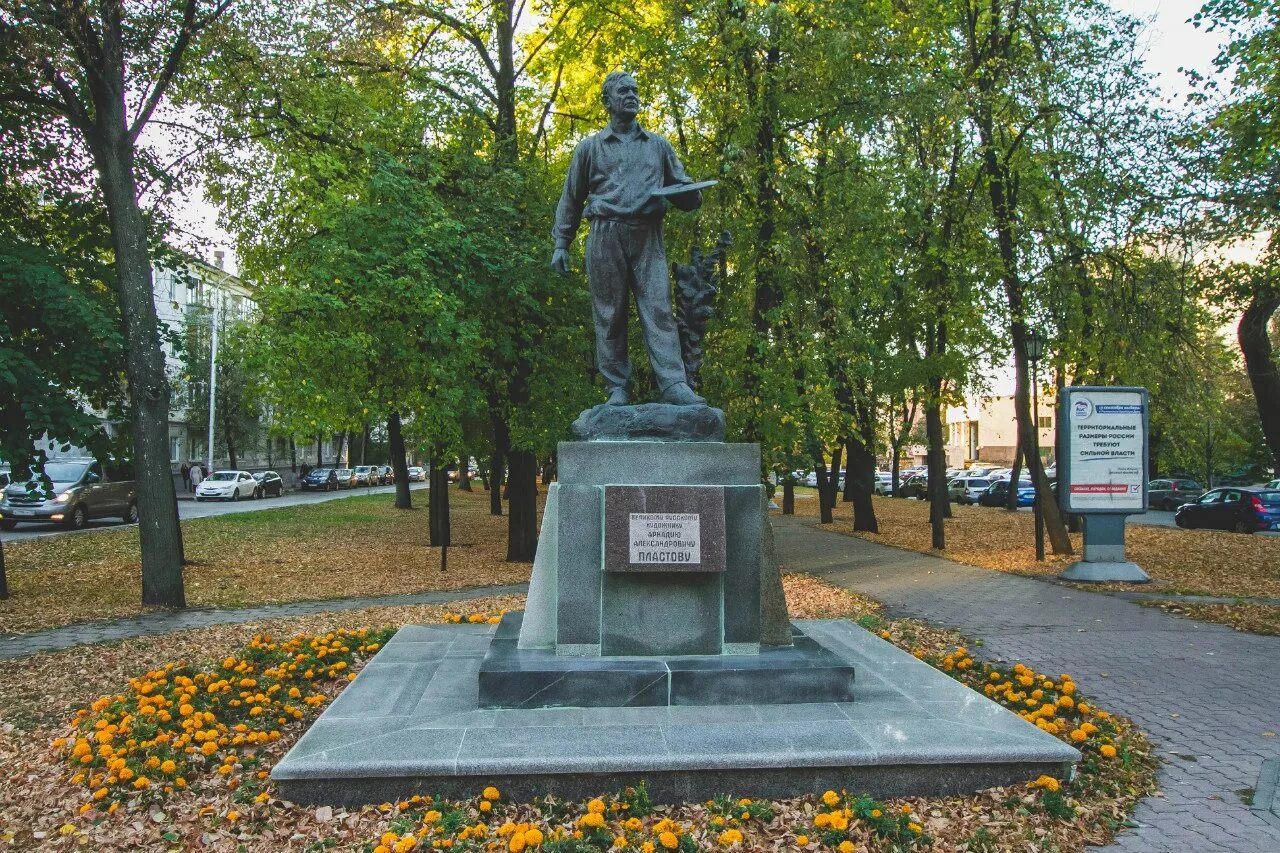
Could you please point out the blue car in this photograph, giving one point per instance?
(1237, 509)
(998, 493)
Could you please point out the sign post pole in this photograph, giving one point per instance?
(1104, 475)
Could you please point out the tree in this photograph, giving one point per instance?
(102, 70)
(1242, 159)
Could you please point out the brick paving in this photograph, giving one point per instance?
(1204, 693)
(166, 622)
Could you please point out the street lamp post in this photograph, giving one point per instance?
(213, 376)
(1035, 349)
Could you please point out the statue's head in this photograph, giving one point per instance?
(621, 95)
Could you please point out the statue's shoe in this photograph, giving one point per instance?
(618, 397)
(680, 394)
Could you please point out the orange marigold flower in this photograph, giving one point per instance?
(669, 840)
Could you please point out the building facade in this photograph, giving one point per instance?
(985, 430)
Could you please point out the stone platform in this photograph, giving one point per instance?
(411, 723)
(804, 671)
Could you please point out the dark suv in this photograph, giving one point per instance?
(81, 490)
(319, 479)
(1173, 493)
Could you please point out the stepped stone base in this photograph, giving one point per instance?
(411, 724)
(802, 672)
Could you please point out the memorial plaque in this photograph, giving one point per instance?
(664, 529)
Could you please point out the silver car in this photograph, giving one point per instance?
(965, 490)
(81, 490)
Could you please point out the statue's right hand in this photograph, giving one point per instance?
(560, 261)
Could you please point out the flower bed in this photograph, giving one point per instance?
(238, 808)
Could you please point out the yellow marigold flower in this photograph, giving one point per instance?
(745, 815)
(533, 837)
(906, 809)
(1107, 750)
(1079, 735)
(1065, 701)
(822, 820)
(619, 842)
(876, 813)
(1102, 715)
(1049, 783)
(1068, 687)
(490, 793)
(382, 848)
(802, 840)
(596, 806)
(1083, 707)
(669, 840)
(839, 822)
(646, 847)
(845, 847)
(516, 843)
(634, 824)
(730, 837)
(830, 798)
(233, 815)
(485, 805)
(595, 820)
(884, 635)
(100, 794)
(915, 827)
(141, 782)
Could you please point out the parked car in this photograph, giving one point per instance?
(1236, 509)
(386, 474)
(994, 474)
(320, 480)
(915, 486)
(1274, 484)
(884, 483)
(364, 475)
(966, 490)
(998, 493)
(416, 474)
(1171, 494)
(226, 486)
(268, 483)
(346, 478)
(81, 490)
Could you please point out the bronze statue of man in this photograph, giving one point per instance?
(611, 182)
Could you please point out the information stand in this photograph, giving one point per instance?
(1103, 475)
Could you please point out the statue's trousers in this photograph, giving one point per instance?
(624, 257)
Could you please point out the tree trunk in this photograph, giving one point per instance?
(464, 474)
(862, 474)
(438, 499)
(232, 456)
(319, 451)
(522, 527)
(1015, 474)
(4, 578)
(400, 465)
(788, 496)
(846, 493)
(824, 486)
(501, 444)
(158, 531)
(837, 468)
(293, 455)
(939, 503)
(895, 471)
(1259, 361)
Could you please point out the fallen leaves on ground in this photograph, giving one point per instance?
(356, 546)
(1254, 618)
(41, 808)
(1196, 562)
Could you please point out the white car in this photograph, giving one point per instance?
(965, 490)
(226, 486)
(416, 474)
(884, 483)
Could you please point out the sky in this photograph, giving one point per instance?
(1168, 42)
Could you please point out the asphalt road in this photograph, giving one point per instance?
(204, 509)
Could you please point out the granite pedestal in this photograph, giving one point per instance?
(411, 723)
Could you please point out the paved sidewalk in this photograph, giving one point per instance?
(152, 624)
(1204, 693)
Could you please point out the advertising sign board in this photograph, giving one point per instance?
(1104, 464)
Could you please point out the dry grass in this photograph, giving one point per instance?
(358, 546)
(1199, 562)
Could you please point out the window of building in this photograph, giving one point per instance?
(1046, 422)
(175, 448)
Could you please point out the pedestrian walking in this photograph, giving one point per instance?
(197, 474)
(186, 476)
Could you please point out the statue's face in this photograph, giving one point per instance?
(624, 98)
